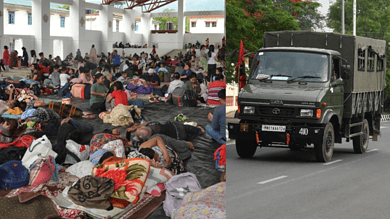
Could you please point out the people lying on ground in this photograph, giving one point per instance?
(70, 129)
(10, 130)
(54, 80)
(24, 96)
(175, 130)
(163, 143)
(85, 75)
(98, 94)
(118, 94)
(176, 83)
(214, 88)
(185, 75)
(217, 128)
(6, 105)
(66, 110)
(163, 155)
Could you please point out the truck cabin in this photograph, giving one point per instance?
(301, 65)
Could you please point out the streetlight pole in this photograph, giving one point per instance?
(354, 17)
(342, 17)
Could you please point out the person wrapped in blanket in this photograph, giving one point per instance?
(10, 129)
(66, 110)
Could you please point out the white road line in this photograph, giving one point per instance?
(383, 127)
(271, 180)
(372, 150)
(332, 162)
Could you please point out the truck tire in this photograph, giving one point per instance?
(324, 151)
(245, 148)
(360, 143)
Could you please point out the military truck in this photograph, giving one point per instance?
(311, 90)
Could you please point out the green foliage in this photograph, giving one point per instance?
(372, 19)
(247, 20)
(174, 20)
(64, 7)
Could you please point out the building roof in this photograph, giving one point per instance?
(29, 3)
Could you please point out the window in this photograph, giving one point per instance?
(370, 61)
(11, 17)
(379, 64)
(88, 11)
(62, 21)
(117, 25)
(193, 24)
(361, 60)
(335, 69)
(29, 17)
(211, 24)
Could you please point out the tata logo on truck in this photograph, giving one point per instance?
(277, 102)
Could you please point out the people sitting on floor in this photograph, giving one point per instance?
(214, 88)
(154, 78)
(98, 94)
(118, 95)
(54, 78)
(64, 77)
(193, 85)
(217, 128)
(185, 75)
(145, 88)
(85, 75)
(176, 83)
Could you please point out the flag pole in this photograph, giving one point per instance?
(354, 17)
(342, 17)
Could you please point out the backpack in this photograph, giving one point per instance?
(176, 188)
(190, 99)
(178, 96)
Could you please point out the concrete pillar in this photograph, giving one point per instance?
(129, 24)
(105, 20)
(181, 24)
(1, 28)
(146, 22)
(41, 26)
(77, 19)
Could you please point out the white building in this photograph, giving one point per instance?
(207, 23)
(43, 26)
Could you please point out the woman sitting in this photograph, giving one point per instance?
(118, 95)
(214, 88)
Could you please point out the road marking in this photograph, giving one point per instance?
(372, 150)
(332, 162)
(383, 127)
(271, 180)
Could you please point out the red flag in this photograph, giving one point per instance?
(241, 60)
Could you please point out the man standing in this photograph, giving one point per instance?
(217, 129)
(116, 60)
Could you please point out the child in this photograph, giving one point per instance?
(64, 77)
(119, 95)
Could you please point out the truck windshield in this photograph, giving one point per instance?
(286, 65)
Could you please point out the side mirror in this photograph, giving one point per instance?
(345, 71)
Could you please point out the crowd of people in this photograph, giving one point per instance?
(113, 84)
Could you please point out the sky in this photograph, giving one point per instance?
(324, 9)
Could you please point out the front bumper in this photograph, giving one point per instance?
(296, 134)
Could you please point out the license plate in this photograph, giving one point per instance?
(273, 128)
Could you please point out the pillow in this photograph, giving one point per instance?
(129, 176)
(81, 169)
(115, 146)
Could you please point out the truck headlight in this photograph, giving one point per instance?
(249, 109)
(307, 112)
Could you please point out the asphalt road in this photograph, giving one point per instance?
(279, 183)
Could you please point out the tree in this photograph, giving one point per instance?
(372, 19)
(174, 20)
(65, 7)
(247, 20)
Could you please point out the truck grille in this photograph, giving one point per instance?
(267, 111)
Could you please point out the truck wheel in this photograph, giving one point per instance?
(360, 143)
(245, 148)
(324, 151)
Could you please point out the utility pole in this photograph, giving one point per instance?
(354, 17)
(342, 16)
